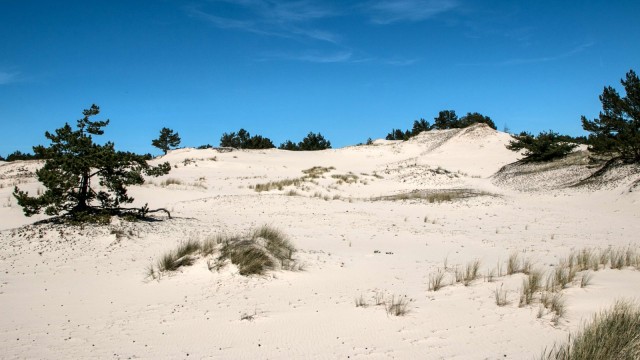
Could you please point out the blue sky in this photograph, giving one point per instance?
(348, 69)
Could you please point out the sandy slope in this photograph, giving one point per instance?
(82, 293)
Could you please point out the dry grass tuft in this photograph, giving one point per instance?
(436, 281)
(613, 334)
(398, 306)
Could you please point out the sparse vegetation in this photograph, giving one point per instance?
(265, 248)
(397, 306)
(501, 296)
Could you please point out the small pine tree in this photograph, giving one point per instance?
(313, 142)
(616, 132)
(289, 145)
(447, 119)
(544, 147)
(167, 140)
(420, 126)
(73, 161)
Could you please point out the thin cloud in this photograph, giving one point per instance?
(564, 55)
(313, 57)
(520, 61)
(9, 77)
(391, 11)
(272, 18)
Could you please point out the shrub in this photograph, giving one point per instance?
(546, 146)
(613, 334)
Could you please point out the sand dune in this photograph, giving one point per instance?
(371, 226)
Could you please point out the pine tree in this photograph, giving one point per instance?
(289, 145)
(447, 119)
(73, 160)
(314, 142)
(420, 126)
(166, 140)
(616, 131)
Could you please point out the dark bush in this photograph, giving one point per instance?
(545, 146)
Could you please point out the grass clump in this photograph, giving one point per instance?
(436, 281)
(613, 334)
(184, 255)
(398, 306)
(513, 264)
(471, 272)
(264, 249)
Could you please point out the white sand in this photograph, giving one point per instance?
(81, 293)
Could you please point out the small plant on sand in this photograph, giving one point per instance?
(436, 281)
(398, 306)
(361, 302)
(530, 286)
(501, 296)
(471, 272)
(513, 264)
(613, 334)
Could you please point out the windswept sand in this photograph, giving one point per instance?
(70, 292)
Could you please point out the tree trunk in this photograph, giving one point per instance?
(84, 189)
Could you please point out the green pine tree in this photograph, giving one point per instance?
(75, 165)
(167, 140)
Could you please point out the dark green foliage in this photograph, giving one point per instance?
(207, 146)
(420, 126)
(397, 134)
(447, 119)
(244, 140)
(73, 160)
(475, 118)
(166, 140)
(18, 155)
(2, 158)
(311, 142)
(369, 141)
(616, 131)
(544, 147)
(314, 142)
(289, 145)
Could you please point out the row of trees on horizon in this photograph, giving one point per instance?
(619, 119)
